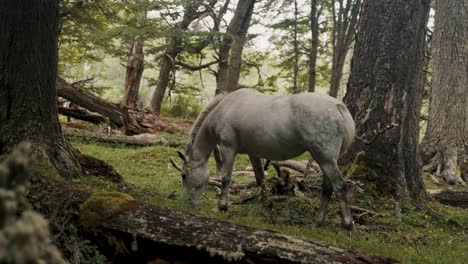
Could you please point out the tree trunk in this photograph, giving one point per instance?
(295, 89)
(135, 67)
(447, 131)
(28, 69)
(168, 58)
(384, 90)
(232, 45)
(163, 78)
(345, 19)
(337, 71)
(89, 101)
(314, 29)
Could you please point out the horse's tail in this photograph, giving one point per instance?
(203, 115)
(349, 128)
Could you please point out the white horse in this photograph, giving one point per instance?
(273, 128)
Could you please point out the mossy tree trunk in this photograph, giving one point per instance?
(384, 92)
(445, 146)
(28, 68)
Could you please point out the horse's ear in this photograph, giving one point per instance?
(182, 156)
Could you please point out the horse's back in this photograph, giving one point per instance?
(278, 127)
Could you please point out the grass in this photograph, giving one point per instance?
(419, 238)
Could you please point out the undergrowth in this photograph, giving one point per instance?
(437, 235)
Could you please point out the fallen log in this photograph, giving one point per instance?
(138, 140)
(82, 114)
(299, 166)
(89, 101)
(135, 121)
(128, 230)
(458, 199)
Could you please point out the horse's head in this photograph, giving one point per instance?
(195, 176)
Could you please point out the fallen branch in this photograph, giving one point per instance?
(459, 199)
(138, 140)
(87, 100)
(82, 114)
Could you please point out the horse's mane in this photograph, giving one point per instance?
(201, 118)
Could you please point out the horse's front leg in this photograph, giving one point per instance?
(227, 156)
(259, 174)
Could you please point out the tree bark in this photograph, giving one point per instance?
(28, 69)
(314, 29)
(447, 131)
(345, 19)
(89, 101)
(384, 92)
(230, 51)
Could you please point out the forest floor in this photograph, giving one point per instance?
(437, 235)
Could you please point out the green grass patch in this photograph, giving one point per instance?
(419, 238)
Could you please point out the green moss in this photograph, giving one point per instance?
(45, 169)
(100, 206)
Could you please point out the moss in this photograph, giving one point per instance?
(44, 168)
(101, 206)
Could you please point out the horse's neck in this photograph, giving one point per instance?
(203, 145)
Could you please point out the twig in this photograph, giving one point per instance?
(370, 141)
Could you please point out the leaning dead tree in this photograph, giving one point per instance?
(89, 101)
(134, 120)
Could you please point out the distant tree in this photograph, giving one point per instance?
(384, 92)
(314, 43)
(28, 70)
(230, 50)
(445, 146)
(345, 18)
(135, 67)
(177, 43)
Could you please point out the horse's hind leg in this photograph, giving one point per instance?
(325, 197)
(330, 170)
(258, 168)
(227, 156)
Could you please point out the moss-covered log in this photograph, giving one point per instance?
(128, 230)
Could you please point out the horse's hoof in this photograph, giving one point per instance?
(223, 207)
(347, 226)
(319, 223)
